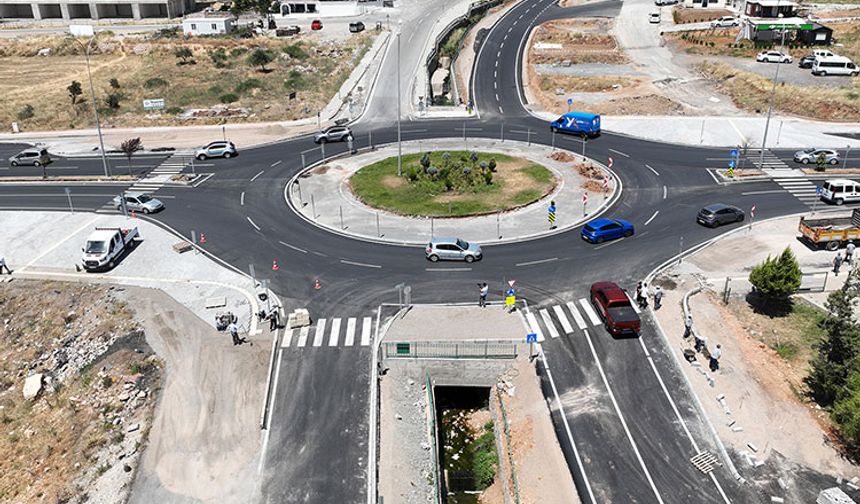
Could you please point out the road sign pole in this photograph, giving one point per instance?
(313, 208)
(341, 217)
(502, 133)
(498, 225)
(303, 161)
(378, 235)
(69, 196)
(322, 150)
(529, 136)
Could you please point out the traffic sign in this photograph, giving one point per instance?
(610, 162)
(510, 292)
(570, 101)
(511, 283)
(817, 190)
(584, 198)
(732, 163)
(752, 212)
(550, 214)
(733, 152)
(531, 338)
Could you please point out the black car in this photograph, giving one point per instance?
(719, 214)
(356, 27)
(806, 61)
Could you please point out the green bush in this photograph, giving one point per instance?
(113, 100)
(260, 57)
(174, 110)
(294, 81)
(485, 461)
(295, 51)
(26, 112)
(247, 85)
(215, 90)
(228, 98)
(238, 51)
(154, 82)
(777, 278)
(219, 57)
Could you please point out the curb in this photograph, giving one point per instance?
(604, 206)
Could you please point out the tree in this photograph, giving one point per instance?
(820, 162)
(260, 57)
(114, 83)
(777, 278)
(112, 100)
(129, 147)
(74, 90)
(184, 54)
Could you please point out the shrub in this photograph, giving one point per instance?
(184, 55)
(74, 90)
(218, 57)
(820, 162)
(26, 113)
(112, 100)
(247, 85)
(485, 460)
(154, 82)
(295, 51)
(294, 81)
(238, 51)
(114, 84)
(228, 98)
(777, 277)
(173, 110)
(260, 57)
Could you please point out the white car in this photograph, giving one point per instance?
(773, 57)
(654, 17)
(725, 22)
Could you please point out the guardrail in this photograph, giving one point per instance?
(489, 349)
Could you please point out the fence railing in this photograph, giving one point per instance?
(434, 434)
(484, 349)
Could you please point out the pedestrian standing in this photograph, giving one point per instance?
(3, 266)
(234, 333)
(482, 296)
(849, 253)
(273, 319)
(645, 294)
(715, 358)
(837, 263)
(658, 297)
(688, 326)
(639, 293)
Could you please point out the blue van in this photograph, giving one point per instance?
(577, 123)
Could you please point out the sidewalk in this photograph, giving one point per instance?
(325, 190)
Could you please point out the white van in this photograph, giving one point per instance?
(834, 65)
(840, 191)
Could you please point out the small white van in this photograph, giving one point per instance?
(834, 65)
(840, 191)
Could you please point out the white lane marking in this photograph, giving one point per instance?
(652, 217)
(253, 224)
(665, 192)
(365, 331)
(501, 111)
(242, 199)
(621, 417)
(632, 303)
(276, 163)
(303, 335)
(751, 193)
(303, 251)
(620, 153)
(610, 243)
(589, 311)
(350, 332)
(497, 96)
(344, 261)
(547, 320)
(580, 322)
(447, 269)
(653, 170)
(498, 55)
(257, 175)
(565, 323)
(288, 337)
(495, 74)
(540, 261)
(533, 323)
(335, 332)
(318, 336)
(64, 240)
(497, 66)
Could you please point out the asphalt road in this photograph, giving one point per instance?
(77, 166)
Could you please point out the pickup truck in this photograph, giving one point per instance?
(614, 306)
(106, 245)
(831, 232)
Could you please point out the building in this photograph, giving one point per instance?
(708, 4)
(297, 10)
(817, 35)
(770, 8)
(208, 23)
(93, 9)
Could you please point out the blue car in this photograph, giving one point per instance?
(600, 230)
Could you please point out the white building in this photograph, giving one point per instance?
(93, 9)
(305, 9)
(708, 4)
(211, 23)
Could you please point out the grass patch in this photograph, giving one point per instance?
(515, 182)
(794, 336)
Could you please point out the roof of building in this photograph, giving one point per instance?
(209, 15)
(773, 3)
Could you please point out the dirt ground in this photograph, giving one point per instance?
(204, 445)
(681, 14)
(146, 68)
(466, 57)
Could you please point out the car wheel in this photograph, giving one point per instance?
(14, 163)
(228, 155)
(832, 245)
(201, 157)
(323, 140)
(834, 161)
(36, 163)
(434, 258)
(823, 73)
(146, 211)
(470, 259)
(110, 264)
(628, 233)
(805, 160)
(599, 239)
(839, 201)
(740, 218)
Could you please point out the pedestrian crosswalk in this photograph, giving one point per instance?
(331, 332)
(561, 319)
(767, 162)
(802, 189)
(162, 175)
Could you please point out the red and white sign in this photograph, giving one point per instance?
(752, 212)
(606, 182)
(511, 283)
(584, 198)
(610, 162)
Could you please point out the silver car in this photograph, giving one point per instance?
(139, 202)
(216, 149)
(810, 155)
(333, 134)
(30, 157)
(453, 249)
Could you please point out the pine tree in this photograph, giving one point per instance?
(778, 277)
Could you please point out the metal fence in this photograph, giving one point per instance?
(450, 349)
(434, 434)
(813, 281)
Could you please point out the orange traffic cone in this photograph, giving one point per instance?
(202, 238)
(133, 215)
(317, 285)
(275, 265)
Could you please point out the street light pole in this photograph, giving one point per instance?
(772, 93)
(86, 50)
(399, 146)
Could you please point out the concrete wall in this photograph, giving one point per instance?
(24, 9)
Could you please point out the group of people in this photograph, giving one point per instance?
(701, 344)
(643, 293)
(838, 261)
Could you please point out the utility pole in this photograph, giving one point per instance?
(86, 50)
(399, 144)
(772, 94)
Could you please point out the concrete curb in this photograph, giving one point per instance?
(604, 206)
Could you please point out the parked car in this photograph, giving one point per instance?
(30, 157)
(316, 25)
(333, 134)
(600, 230)
(615, 308)
(356, 27)
(806, 61)
(139, 202)
(453, 249)
(773, 57)
(666, 2)
(834, 65)
(654, 17)
(840, 191)
(811, 154)
(719, 214)
(288, 31)
(725, 22)
(216, 149)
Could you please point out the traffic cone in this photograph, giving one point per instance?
(202, 238)
(133, 215)
(317, 285)
(275, 265)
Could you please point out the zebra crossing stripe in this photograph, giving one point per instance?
(365, 331)
(288, 337)
(335, 332)
(547, 320)
(589, 310)
(303, 335)
(580, 322)
(533, 323)
(350, 332)
(565, 323)
(318, 336)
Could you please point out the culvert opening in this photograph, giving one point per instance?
(467, 443)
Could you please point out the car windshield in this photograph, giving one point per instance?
(143, 198)
(707, 211)
(589, 227)
(95, 247)
(462, 244)
(809, 150)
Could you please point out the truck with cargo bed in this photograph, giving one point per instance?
(831, 232)
(106, 245)
(615, 308)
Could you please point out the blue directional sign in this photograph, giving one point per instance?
(734, 152)
(570, 101)
(732, 163)
(531, 338)
(510, 292)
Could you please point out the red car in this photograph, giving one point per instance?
(615, 308)
(316, 24)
